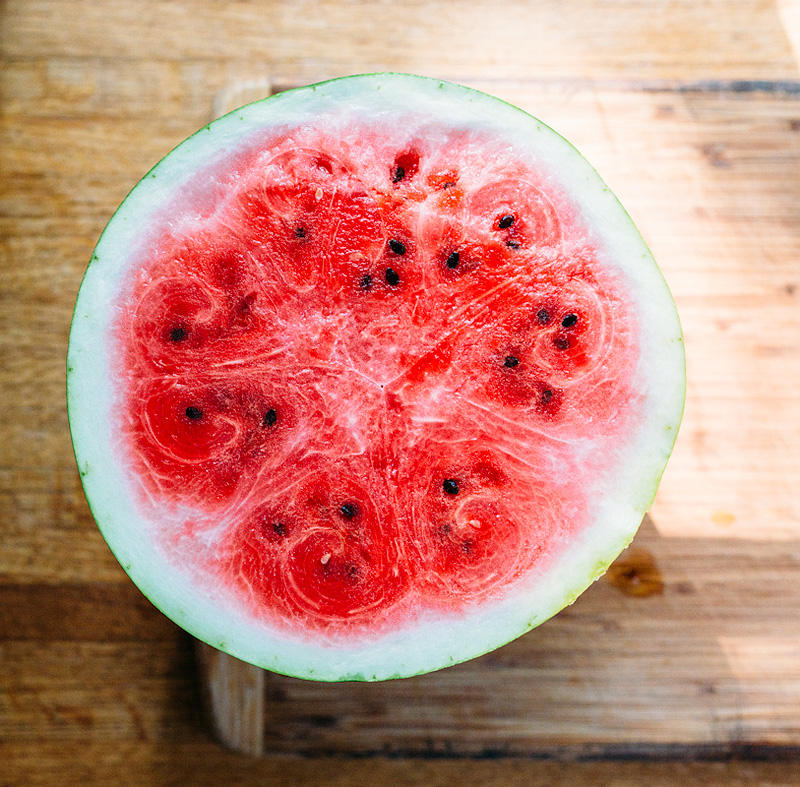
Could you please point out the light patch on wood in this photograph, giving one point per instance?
(235, 699)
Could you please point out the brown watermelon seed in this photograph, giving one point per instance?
(366, 281)
(512, 244)
(398, 174)
(452, 260)
(392, 277)
(299, 232)
(178, 334)
(194, 413)
(561, 342)
(279, 529)
(511, 361)
(505, 221)
(543, 316)
(466, 546)
(397, 247)
(450, 485)
(271, 417)
(569, 320)
(547, 395)
(349, 510)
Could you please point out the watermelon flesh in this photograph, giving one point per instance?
(380, 362)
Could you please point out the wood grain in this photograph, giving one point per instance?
(202, 764)
(734, 39)
(691, 112)
(235, 698)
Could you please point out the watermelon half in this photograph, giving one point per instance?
(371, 377)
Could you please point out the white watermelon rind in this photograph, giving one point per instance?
(437, 642)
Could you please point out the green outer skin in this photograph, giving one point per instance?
(170, 603)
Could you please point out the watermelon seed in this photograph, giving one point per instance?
(452, 260)
(299, 232)
(449, 184)
(405, 166)
(547, 395)
(511, 361)
(466, 546)
(543, 316)
(325, 558)
(178, 334)
(561, 342)
(450, 486)
(271, 417)
(397, 247)
(194, 413)
(366, 281)
(279, 529)
(349, 510)
(505, 221)
(512, 244)
(569, 320)
(392, 277)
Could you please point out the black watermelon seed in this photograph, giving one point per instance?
(505, 221)
(450, 486)
(194, 413)
(397, 247)
(547, 395)
(561, 342)
(449, 184)
(569, 320)
(299, 232)
(392, 277)
(178, 334)
(452, 260)
(543, 316)
(398, 175)
(279, 528)
(512, 244)
(271, 418)
(349, 510)
(366, 281)
(511, 361)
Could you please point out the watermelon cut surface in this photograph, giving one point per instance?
(371, 377)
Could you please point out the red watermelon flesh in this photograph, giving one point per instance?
(371, 377)
(367, 372)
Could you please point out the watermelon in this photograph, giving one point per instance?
(371, 377)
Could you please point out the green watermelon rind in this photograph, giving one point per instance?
(423, 646)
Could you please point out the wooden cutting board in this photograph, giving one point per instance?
(691, 643)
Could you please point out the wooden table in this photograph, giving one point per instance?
(690, 648)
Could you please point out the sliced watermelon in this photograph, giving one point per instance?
(371, 377)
